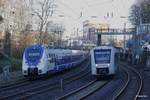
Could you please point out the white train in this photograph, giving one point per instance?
(146, 47)
(103, 60)
(40, 60)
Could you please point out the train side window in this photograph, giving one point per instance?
(116, 57)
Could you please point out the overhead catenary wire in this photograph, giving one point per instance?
(68, 7)
(100, 3)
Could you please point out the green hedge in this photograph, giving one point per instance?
(16, 64)
(3, 62)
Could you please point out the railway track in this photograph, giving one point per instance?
(131, 89)
(16, 84)
(21, 82)
(128, 90)
(53, 86)
(84, 91)
(45, 86)
(24, 81)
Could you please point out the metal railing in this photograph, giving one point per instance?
(113, 30)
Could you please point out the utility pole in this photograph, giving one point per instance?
(99, 40)
(7, 43)
(124, 44)
(138, 36)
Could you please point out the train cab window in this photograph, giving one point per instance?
(102, 56)
(33, 54)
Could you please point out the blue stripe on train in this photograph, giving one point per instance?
(67, 62)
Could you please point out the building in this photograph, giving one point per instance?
(90, 37)
(88, 32)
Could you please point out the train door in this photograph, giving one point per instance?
(116, 60)
(51, 60)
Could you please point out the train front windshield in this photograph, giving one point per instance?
(33, 55)
(102, 56)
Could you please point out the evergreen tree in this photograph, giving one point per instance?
(140, 12)
(7, 43)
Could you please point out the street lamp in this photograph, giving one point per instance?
(124, 36)
(124, 30)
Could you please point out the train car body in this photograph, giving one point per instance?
(103, 61)
(41, 60)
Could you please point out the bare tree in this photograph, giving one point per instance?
(2, 2)
(55, 30)
(140, 12)
(43, 12)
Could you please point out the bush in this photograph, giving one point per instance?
(4, 60)
(16, 64)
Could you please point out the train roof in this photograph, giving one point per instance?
(107, 46)
(103, 47)
(51, 48)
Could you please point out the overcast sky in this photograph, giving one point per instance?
(76, 11)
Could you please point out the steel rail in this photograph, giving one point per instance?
(28, 93)
(127, 83)
(83, 89)
(54, 86)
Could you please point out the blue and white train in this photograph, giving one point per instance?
(104, 60)
(41, 59)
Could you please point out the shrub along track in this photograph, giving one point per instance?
(43, 86)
